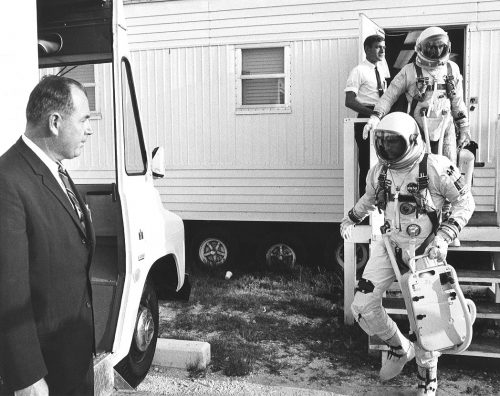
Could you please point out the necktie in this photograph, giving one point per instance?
(379, 83)
(63, 174)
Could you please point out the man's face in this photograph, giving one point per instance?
(376, 52)
(434, 49)
(75, 127)
(390, 145)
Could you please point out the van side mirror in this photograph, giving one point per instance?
(158, 163)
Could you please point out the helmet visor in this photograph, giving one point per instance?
(435, 48)
(389, 145)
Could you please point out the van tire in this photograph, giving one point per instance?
(135, 366)
(214, 249)
(362, 255)
(281, 252)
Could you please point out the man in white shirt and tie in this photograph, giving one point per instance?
(365, 85)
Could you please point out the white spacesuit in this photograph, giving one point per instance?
(410, 187)
(433, 88)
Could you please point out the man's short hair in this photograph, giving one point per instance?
(370, 40)
(52, 93)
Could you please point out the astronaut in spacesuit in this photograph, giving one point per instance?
(433, 88)
(410, 187)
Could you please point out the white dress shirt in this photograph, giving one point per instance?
(363, 82)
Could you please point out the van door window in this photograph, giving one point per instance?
(135, 153)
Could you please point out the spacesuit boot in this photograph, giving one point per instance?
(401, 352)
(427, 381)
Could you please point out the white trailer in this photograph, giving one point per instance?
(139, 252)
(247, 98)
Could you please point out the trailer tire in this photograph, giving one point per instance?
(135, 366)
(362, 255)
(281, 252)
(214, 249)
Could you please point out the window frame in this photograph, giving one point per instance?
(129, 79)
(262, 108)
(96, 113)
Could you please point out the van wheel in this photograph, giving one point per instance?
(281, 252)
(214, 250)
(362, 254)
(134, 367)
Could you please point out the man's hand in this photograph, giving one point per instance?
(346, 227)
(39, 388)
(437, 249)
(370, 126)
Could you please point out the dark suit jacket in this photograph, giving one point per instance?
(46, 321)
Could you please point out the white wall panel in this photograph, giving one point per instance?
(183, 57)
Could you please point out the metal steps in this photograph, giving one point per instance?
(476, 246)
(485, 309)
(480, 346)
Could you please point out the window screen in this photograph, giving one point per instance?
(262, 74)
(84, 74)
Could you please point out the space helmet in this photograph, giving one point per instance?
(433, 47)
(397, 140)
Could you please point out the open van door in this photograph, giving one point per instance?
(366, 28)
(139, 248)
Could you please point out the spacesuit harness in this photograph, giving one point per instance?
(423, 86)
(418, 201)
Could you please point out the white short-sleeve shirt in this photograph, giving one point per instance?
(363, 82)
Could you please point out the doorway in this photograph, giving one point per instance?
(400, 50)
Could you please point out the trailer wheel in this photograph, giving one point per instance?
(362, 254)
(281, 252)
(134, 367)
(214, 250)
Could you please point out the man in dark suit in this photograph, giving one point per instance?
(46, 246)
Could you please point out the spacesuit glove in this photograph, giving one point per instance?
(346, 227)
(464, 136)
(437, 249)
(370, 126)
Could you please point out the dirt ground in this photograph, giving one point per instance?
(316, 379)
(292, 334)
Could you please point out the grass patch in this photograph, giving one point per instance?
(263, 320)
(196, 370)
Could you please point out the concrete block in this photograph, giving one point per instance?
(181, 353)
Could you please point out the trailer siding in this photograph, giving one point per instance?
(284, 167)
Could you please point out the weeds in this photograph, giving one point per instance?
(261, 318)
(196, 370)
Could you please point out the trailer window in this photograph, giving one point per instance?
(263, 79)
(85, 75)
(135, 153)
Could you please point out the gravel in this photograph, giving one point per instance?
(159, 382)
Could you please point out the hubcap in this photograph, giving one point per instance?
(213, 252)
(281, 254)
(145, 329)
(360, 256)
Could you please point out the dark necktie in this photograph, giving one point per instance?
(379, 83)
(63, 174)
